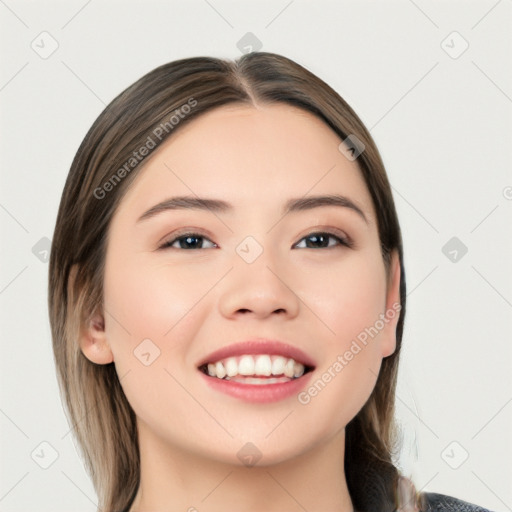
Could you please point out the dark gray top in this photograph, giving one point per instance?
(435, 502)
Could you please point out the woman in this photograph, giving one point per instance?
(227, 297)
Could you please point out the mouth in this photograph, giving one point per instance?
(256, 369)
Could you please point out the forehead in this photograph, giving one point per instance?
(248, 155)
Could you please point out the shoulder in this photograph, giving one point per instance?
(434, 502)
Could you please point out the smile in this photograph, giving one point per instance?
(262, 369)
(257, 378)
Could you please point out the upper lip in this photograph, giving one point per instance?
(259, 346)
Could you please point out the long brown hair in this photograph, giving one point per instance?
(145, 115)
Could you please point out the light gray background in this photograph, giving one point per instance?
(442, 122)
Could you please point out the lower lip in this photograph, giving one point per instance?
(258, 393)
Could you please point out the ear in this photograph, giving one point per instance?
(393, 307)
(93, 340)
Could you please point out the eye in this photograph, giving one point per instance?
(187, 241)
(316, 240)
(321, 240)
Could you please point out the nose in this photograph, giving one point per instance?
(258, 290)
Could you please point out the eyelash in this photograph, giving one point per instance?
(345, 242)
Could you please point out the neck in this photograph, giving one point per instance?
(172, 479)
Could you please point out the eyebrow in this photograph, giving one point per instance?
(220, 206)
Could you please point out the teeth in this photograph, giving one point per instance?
(278, 365)
(259, 380)
(263, 366)
(298, 369)
(247, 367)
(231, 367)
(219, 370)
(288, 368)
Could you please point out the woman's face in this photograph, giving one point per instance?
(249, 271)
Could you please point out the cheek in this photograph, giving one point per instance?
(153, 315)
(347, 297)
(148, 301)
(349, 300)
(147, 298)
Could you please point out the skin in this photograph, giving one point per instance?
(188, 304)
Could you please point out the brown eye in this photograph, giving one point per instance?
(187, 241)
(323, 240)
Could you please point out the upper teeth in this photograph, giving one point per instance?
(256, 365)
